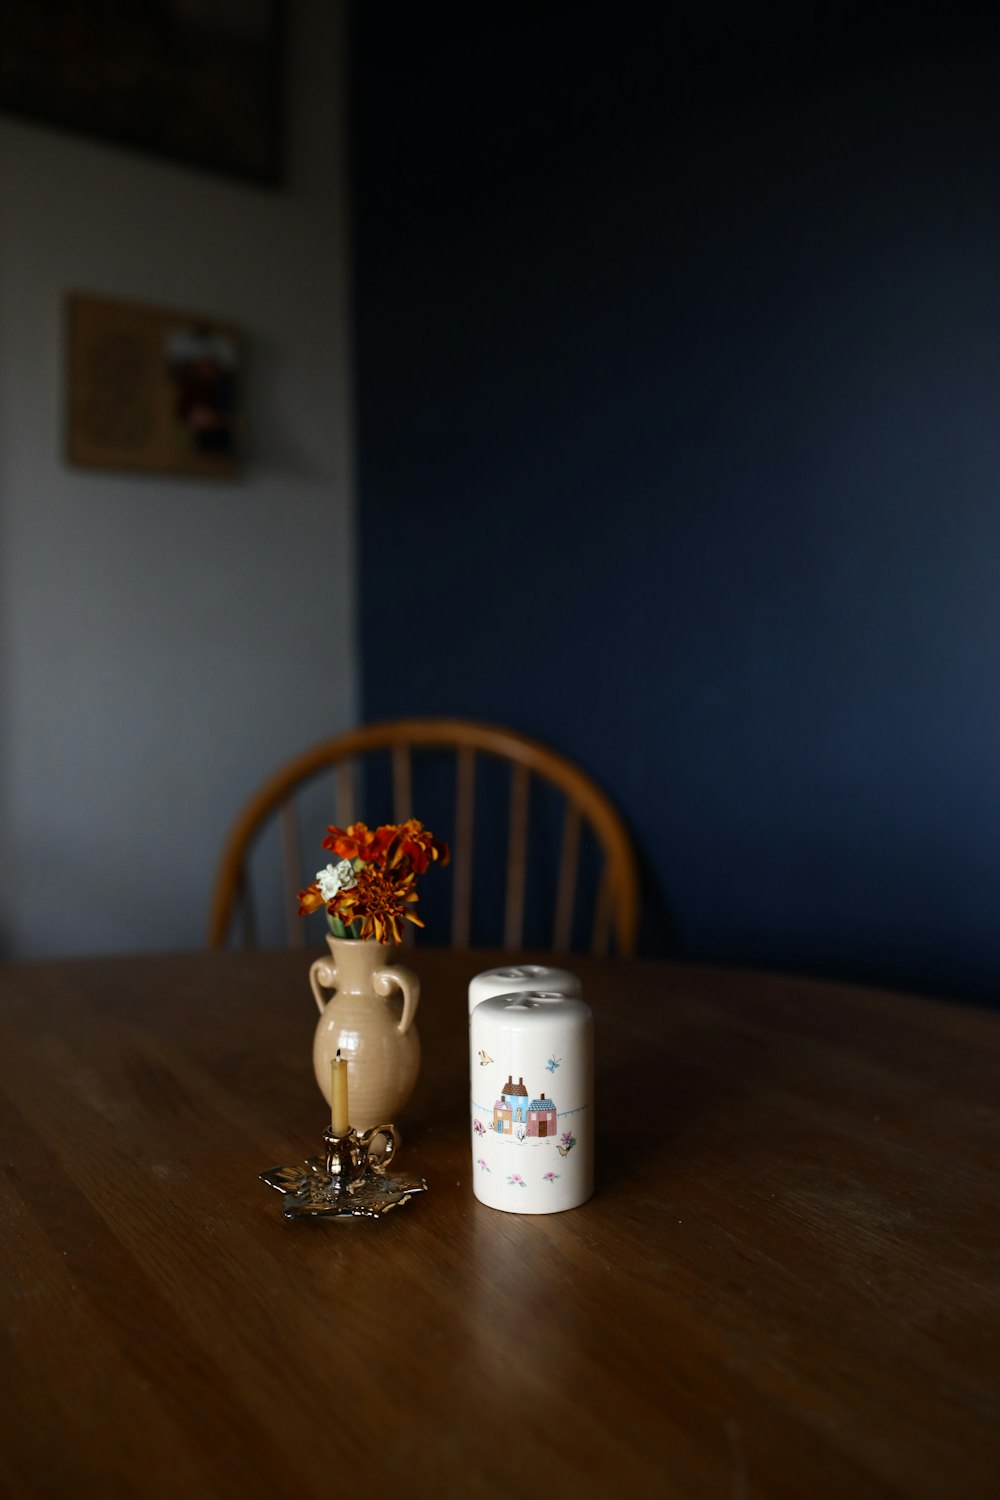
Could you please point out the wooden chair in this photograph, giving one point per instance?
(587, 809)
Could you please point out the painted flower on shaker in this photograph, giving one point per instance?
(550, 1177)
(516, 1180)
(483, 1165)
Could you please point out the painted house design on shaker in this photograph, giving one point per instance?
(541, 1117)
(511, 1109)
(515, 1111)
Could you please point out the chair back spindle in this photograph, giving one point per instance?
(344, 799)
(462, 855)
(602, 915)
(517, 857)
(292, 865)
(566, 890)
(247, 911)
(402, 784)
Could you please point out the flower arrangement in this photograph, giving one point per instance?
(372, 889)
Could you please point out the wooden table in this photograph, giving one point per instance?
(786, 1285)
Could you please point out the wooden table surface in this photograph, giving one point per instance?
(787, 1282)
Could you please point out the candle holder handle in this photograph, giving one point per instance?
(385, 1156)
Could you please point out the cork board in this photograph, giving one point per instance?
(152, 389)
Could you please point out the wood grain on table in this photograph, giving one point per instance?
(786, 1285)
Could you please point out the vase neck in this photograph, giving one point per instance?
(356, 960)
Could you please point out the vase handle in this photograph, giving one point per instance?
(322, 976)
(386, 981)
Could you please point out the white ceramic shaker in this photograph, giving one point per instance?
(521, 977)
(532, 1063)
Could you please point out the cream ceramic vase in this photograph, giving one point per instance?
(367, 1003)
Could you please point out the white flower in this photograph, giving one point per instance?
(336, 878)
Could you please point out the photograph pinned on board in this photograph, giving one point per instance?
(204, 364)
(153, 389)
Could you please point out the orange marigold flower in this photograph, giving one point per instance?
(379, 902)
(356, 841)
(416, 844)
(382, 840)
(310, 900)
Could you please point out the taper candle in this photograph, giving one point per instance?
(339, 1116)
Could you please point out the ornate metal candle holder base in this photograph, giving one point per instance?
(349, 1181)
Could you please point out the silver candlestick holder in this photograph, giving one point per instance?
(349, 1181)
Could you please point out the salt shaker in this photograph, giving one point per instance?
(521, 977)
(532, 1063)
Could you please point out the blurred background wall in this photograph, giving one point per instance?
(674, 360)
(678, 361)
(164, 643)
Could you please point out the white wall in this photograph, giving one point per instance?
(165, 643)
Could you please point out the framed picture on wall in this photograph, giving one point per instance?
(197, 80)
(152, 389)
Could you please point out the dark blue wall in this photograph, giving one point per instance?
(678, 395)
